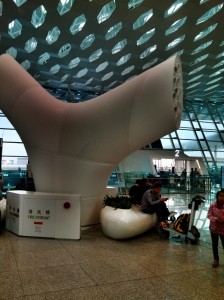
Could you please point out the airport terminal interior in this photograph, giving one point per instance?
(81, 53)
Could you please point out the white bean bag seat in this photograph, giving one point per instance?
(125, 223)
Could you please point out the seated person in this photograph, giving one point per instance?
(136, 191)
(153, 203)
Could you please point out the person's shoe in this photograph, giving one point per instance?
(215, 264)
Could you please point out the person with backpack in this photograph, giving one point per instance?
(153, 203)
(216, 227)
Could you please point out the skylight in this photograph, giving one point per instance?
(43, 58)
(145, 37)
(134, 3)
(106, 11)
(143, 19)
(107, 76)
(175, 42)
(113, 31)
(205, 32)
(64, 6)
(19, 2)
(148, 51)
(175, 26)
(87, 42)
(82, 73)
(53, 35)
(74, 63)
(15, 29)
(54, 69)
(119, 46)
(12, 51)
(199, 59)
(149, 64)
(210, 13)
(174, 7)
(197, 70)
(202, 47)
(123, 59)
(78, 24)
(102, 66)
(127, 70)
(38, 16)
(64, 50)
(95, 55)
(31, 45)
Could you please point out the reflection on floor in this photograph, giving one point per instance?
(96, 267)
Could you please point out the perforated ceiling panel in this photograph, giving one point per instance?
(77, 48)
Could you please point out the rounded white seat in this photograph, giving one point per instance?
(125, 223)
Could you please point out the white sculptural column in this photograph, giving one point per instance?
(73, 148)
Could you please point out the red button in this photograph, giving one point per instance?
(67, 205)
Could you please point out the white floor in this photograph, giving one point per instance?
(96, 267)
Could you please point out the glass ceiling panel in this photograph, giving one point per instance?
(54, 69)
(113, 31)
(123, 59)
(19, 2)
(219, 64)
(211, 87)
(87, 42)
(127, 70)
(205, 32)
(78, 24)
(102, 67)
(134, 3)
(38, 16)
(82, 73)
(53, 35)
(174, 7)
(210, 13)
(64, 50)
(15, 29)
(95, 55)
(119, 46)
(145, 37)
(25, 64)
(142, 19)
(175, 42)
(202, 47)
(215, 80)
(106, 11)
(217, 73)
(175, 26)
(43, 58)
(148, 51)
(12, 51)
(31, 45)
(220, 55)
(195, 78)
(74, 63)
(197, 70)
(107, 76)
(64, 6)
(149, 64)
(199, 59)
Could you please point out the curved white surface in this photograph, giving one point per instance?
(125, 223)
(74, 147)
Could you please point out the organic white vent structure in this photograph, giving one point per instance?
(73, 148)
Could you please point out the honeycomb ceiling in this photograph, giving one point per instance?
(78, 49)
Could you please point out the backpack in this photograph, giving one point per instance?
(181, 224)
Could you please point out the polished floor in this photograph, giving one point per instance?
(96, 267)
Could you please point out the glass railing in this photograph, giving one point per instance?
(170, 184)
